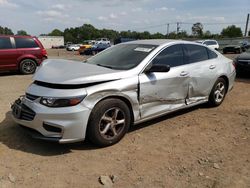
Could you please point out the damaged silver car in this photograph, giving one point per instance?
(126, 84)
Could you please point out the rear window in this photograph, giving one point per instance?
(210, 42)
(5, 43)
(196, 53)
(26, 43)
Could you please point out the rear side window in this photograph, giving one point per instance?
(172, 56)
(196, 53)
(5, 43)
(25, 43)
(211, 54)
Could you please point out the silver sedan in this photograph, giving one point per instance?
(126, 84)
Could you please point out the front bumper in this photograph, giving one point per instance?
(63, 125)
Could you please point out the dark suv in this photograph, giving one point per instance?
(23, 53)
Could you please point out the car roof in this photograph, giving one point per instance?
(19, 36)
(153, 41)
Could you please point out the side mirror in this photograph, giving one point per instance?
(158, 68)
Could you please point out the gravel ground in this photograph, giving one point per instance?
(198, 147)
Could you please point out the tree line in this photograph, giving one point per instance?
(89, 32)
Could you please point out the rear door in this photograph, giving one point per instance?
(27, 46)
(8, 54)
(202, 70)
(161, 92)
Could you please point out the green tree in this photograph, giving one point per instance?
(207, 34)
(5, 31)
(22, 32)
(56, 32)
(231, 31)
(197, 29)
(157, 36)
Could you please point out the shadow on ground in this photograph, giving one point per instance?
(14, 137)
(243, 77)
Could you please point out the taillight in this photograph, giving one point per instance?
(44, 52)
(234, 63)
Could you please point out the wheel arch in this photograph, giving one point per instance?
(226, 79)
(26, 57)
(125, 100)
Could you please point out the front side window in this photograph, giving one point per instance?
(5, 43)
(172, 56)
(25, 43)
(196, 53)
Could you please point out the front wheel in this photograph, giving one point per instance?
(109, 122)
(218, 92)
(27, 66)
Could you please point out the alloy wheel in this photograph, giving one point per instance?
(112, 123)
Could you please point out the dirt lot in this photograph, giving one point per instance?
(199, 147)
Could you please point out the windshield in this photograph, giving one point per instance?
(122, 56)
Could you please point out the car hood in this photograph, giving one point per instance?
(58, 71)
(244, 56)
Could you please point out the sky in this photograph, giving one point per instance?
(42, 16)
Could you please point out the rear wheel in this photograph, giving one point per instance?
(27, 66)
(218, 92)
(109, 122)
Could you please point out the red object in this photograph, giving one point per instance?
(14, 49)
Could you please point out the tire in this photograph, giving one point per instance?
(27, 66)
(94, 52)
(218, 92)
(108, 123)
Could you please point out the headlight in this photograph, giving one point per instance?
(61, 102)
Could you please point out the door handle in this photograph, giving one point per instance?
(184, 73)
(212, 67)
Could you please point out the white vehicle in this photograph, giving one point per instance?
(73, 47)
(210, 43)
(102, 41)
(124, 85)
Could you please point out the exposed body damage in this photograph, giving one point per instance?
(146, 94)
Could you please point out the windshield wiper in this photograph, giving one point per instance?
(106, 66)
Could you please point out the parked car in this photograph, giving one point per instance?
(245, 45)
(58, 46)
(22, 53)
(73, 47)
(232, 48)
(102, 41)
(122, 39)
(211, 43)
(126, 84)
(86, 45)
(242, 62)
(98, 47)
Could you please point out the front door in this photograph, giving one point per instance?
(161, 92)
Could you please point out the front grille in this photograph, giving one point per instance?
(26, 113)
(31, 97)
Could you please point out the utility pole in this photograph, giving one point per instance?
(246, 25)
(167, 29)
(178, 27)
